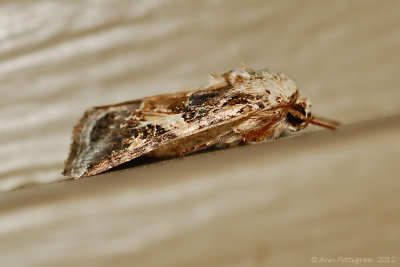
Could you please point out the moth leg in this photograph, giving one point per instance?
(270, 130)
(258, 134)
(261, 127)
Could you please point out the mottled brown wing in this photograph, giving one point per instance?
(108, 136)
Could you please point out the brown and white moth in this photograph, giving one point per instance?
(240, 106)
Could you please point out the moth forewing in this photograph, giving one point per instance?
(239, 106)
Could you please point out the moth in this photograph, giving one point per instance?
(238, 107)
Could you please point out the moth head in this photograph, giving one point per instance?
(298, 116)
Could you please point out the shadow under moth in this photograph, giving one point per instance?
(237, 107)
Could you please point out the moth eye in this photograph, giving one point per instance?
(300, 109)
(293, 120)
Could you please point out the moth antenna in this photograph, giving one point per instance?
(326, 120)
(312, 121)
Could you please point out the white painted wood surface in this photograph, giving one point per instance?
(322, 194)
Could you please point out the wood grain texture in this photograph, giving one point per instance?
(320, 194)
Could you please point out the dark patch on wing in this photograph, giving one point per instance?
(239, 98)
(196, 114)
(150, 131)
(205, 98)
(113, 132)
(209, 97)
(155, 135)
(211, 101)
(103, 126)
(201, 103)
